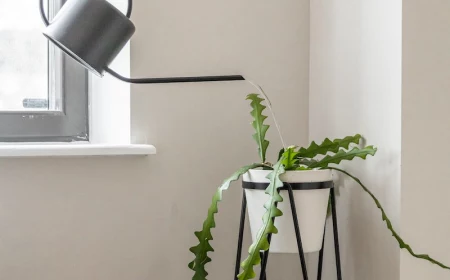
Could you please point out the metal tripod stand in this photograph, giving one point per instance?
(265, 255)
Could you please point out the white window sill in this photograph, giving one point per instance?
(73, 150)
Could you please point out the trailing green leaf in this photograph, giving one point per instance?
(261, 242)
(344, 155)
(258, 124)
(385, 218)
(328, 146)
(205, 235)
(302, 168)
(290, 160)
(280, 154)
(307, 162)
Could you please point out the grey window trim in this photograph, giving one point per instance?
(65, 122)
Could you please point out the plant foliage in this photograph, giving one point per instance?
(261, 243)
(258, 124)
(205, 236)
(344, 155)
(290, 159)
(328, 146)
(402, 244)
(315, 156)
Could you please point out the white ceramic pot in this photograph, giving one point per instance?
(311, 201)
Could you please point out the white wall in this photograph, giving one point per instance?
(355, 87)
(133, 218)
(425, 209)
(202, 131)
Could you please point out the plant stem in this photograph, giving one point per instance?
(269, 105)
(400, 241)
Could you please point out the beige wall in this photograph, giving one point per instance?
(355, 87)
(133, 218)
(202, 131)
(426, 98)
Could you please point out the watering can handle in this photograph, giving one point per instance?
(46, 21)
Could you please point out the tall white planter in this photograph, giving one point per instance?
(311, 203)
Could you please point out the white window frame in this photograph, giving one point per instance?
(67, 119)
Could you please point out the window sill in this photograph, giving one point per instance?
(74, 150)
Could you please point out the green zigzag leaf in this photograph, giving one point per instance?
(291, 160)
(261, 243)
(402, 244)
(328, 146)
(258, 124)
(344, 155)
(280, 154)
(204, 236)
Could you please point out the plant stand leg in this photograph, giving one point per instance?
(265, 258)
(241, 236)
(320, 265)
(336, 234)
(262, 256)
(265, 255)
(297, 232)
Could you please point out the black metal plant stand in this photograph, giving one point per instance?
(265, 255)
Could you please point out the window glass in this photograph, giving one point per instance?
(23, 57)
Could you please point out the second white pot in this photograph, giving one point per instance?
(311, 194)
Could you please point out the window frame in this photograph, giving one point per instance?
(67, 119)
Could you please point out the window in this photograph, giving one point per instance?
(43, 93)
